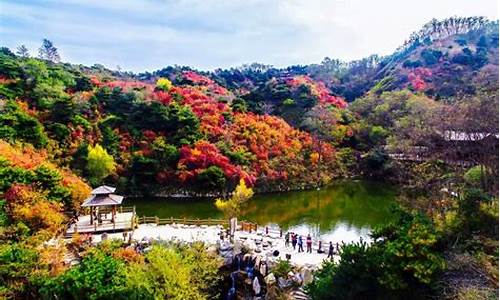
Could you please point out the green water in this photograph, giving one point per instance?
(342, 212)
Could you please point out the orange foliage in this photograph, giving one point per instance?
(53, 258)
(128, 255)
(32, 208)
(28, 158)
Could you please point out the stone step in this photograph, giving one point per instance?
(300, 295)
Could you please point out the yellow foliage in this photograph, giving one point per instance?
(231, 208)
(164, 84)
(53, 258)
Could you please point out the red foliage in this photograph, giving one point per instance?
(203, 155)
(161, 96)
(318, 89)
(5, 80)
(206, 108)
(197, 78)
(95, 81)
(417, 78)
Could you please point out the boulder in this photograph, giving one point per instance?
(284, 283)
(270, 279)
(306, 274)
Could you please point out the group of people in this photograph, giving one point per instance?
(298, 243)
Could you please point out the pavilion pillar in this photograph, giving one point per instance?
(113, 214)
(91, 215)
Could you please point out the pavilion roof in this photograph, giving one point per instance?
(103, 200)
(103, 189)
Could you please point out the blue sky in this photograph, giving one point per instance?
(206, 34)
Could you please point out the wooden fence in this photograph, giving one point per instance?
(183, 221)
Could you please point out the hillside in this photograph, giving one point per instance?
(445, 58)
(185, 135)
(179, 130)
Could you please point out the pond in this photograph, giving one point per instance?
(344, 211)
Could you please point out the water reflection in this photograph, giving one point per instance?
(345, 211)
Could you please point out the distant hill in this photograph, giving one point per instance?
(444, 58)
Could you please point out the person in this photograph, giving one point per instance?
(337, 248)
(309, 243)
(301, 244)
(287, 239)
(294, 240)
(320, 250)
(330, 251)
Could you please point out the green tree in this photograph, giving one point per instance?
(98, 276)
(402, 262)
(175, 272)
(22, 51)
(211, 179)
(99, 164)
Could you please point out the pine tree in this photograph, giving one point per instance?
(48, 51)
(22, 51)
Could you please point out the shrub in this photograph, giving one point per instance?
(402, 260)
(282, 268)
(473, 176)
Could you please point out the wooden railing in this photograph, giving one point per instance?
(111, 226)
(120, 209)
(183, 221)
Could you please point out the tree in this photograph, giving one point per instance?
(48, 51)
(99, 164)
(22, 51)
(231, 208)
(402, 261)
(175, 272)
(164, 84)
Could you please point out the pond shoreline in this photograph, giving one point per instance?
(257, 192)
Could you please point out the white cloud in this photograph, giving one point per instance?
(151, 34)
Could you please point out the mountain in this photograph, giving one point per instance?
(180, 130)
(445, 58)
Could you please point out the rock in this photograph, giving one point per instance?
(283, 283)
(212, 250)
(306, 275)
(224, 245)
(270, 279)
(297, 278)
(250, 244)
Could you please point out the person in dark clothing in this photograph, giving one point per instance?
(309, 243)
(287, 239)
(320, 249)
(301, 244)
(294, 240)
(330, 251)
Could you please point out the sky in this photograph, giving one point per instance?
(145, 35)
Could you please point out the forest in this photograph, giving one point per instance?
(424, 118)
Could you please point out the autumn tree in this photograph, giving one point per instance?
(48, 51)
(164, 84)
(231, 208)
(99, 164)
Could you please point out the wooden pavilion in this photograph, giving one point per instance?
(106, 213)
(102, 197)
